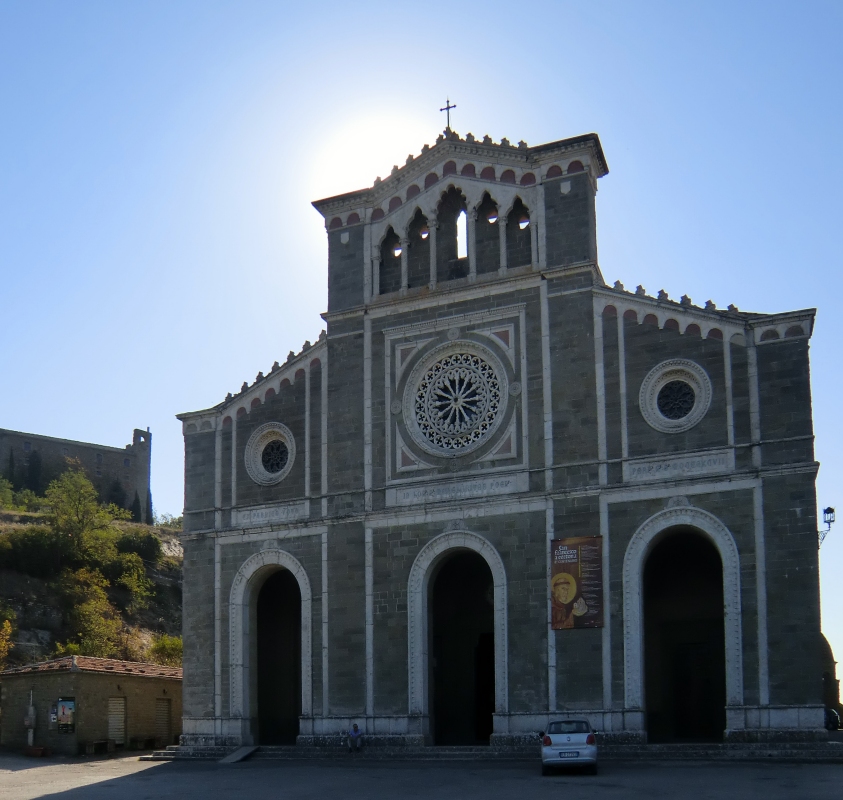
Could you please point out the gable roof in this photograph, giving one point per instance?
(91, 664)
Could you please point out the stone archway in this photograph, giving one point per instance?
(418, 586)
(642, 542)
(242, 629)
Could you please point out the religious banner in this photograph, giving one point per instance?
(576, 583)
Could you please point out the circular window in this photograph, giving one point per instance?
(455, 398)
(675, 396)
(270, 453)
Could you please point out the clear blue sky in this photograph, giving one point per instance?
(158, 159)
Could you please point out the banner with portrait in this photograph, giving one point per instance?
(66, 714)
(576, 583)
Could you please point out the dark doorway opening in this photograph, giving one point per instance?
(463, 651)
(279, 659)
(684, 646)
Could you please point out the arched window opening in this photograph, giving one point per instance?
(487, 236)
(418, 251)
(519, 250)
(390, 266)
(462, 235)
(450, 263)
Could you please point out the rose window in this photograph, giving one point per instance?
(274, 456)
(676, 400)
(457, 401)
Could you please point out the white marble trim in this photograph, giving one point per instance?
(635, 558)
(243, 594)
(417, 614)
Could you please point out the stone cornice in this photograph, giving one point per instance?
(416, 167)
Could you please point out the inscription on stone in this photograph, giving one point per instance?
(667, 468)
(288, 512)
(443, 493)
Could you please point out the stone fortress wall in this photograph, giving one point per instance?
(128, 467)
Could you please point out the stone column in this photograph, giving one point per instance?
(376, 277)
(472, 244)
(502, 234)
(405, 280)
(534, 241)
(432, 226)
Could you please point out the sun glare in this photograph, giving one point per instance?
(352, 154)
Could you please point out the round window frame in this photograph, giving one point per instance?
(260, 438)
(677, 369)
(425, 363)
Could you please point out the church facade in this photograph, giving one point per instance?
(497, 490)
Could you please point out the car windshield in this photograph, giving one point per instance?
(569, 726)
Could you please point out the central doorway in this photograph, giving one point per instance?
(684, 644)
(279, 659)
(462, 666)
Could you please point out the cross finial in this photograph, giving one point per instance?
(447, 110)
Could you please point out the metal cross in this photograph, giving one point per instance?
(447, 110)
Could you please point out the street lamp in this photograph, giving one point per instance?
(828, 521)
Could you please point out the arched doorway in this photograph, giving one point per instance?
(462, 650)
(684, 644)
(279, 638)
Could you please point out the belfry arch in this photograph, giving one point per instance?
(418, 588)
(245, 589)
(643, 542)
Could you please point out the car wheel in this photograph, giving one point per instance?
(593, 769)
(545, 770)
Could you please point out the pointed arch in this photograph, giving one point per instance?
(418, 586)
(643, 541)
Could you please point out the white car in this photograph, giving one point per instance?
(567, 743)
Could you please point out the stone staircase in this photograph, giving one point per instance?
(793, 752)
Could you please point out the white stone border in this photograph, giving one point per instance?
(260, 438)
(640, 546)
(676, 369)
(417, 628)
(241, 604)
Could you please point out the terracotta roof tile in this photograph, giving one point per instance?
(91, 664)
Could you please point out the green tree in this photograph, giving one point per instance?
(7, 632)
(74, 510)
(167, 650)
(7, 496)
(133, 578)
(143, 542)
(94, 622)
(135, 509)
(27, 500)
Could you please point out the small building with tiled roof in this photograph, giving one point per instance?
(85, 705)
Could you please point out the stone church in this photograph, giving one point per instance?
(497, 490)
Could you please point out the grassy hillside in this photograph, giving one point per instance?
(107, 589)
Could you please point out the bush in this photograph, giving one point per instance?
(7, 494)
(167, 650)
(93, 620)
(27, 500)
(145, 543)
(35, 551)
(133, 578)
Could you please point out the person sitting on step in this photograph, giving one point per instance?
(355, 738)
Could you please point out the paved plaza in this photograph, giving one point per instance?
(127, 778)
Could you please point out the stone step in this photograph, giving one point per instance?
(825, 752)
